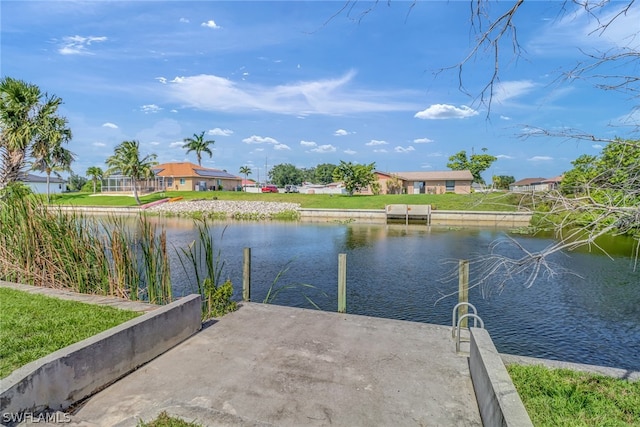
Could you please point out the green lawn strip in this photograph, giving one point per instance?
(32, 325)
(472, 202)
(164, 420)
(562, 397)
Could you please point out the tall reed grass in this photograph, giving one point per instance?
(202, 259)
(43, 246)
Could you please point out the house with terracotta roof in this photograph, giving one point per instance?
(424, 182)
(179, 176)
(186, 176)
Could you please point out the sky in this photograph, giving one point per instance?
(316, 82)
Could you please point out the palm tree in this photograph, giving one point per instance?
(246, 171)
(26, 114)
(199, 146)
(59, 159)
(47, 151)
(95, 173)
(126, 161)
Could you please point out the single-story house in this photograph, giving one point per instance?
(529, 185)
(38, 184)
(185, 176)
(429, 182)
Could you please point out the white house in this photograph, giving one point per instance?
(38, 184)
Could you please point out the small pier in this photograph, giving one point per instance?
(271, 365)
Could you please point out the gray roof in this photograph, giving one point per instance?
(528, 181)
(31, 178)
(212, 173)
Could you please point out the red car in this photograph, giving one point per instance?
(269, 189)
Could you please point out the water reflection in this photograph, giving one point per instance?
(398, 271)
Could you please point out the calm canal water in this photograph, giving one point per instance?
(590, 314)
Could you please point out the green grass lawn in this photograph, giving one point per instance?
(32, 325)
(562, 397)
(164, 420)
(474, 201)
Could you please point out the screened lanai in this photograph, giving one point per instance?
(121, 183)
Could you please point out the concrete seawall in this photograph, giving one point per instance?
(376, 216)
(487, 218)
(70, 374)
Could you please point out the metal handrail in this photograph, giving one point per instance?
(453, 316)
(475, 325)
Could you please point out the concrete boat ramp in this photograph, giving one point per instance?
(270, 365)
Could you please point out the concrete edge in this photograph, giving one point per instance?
(85, 298)
(623, 374)
(498, 400)
(75, 372)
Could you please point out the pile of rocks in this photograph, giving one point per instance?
(229, 207)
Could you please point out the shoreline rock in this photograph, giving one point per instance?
(229, 207)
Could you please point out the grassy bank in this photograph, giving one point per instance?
(32, 326)
(475, 201)
(561, 397)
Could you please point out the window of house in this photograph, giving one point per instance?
(183, 181)
(450, 185)
(169, 182)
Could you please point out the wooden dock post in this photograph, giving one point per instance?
(463, 289)
(342, 283)
(246, 274)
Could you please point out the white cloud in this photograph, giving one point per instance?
(426, 166)
(581, 29)
(220, 132)
(173, 111)
(503, 156)
(150, 109)
(327, 148)
(505, 118)
(162, 80)
(408, 149)
(422, 140)
(154, 143)
(184, 20)
(631, 119)
(342, 132)
(330, 96)
(99, 144)
(597, 146)
(255, 139)
(78, 45)
(380, 150)
(176, 144)
(349, 151)
(540, 158)
(281, 147)
(505, 91)
(375, 142)
(308, 144)
(210, 24)
(445, 111)
(110, 125)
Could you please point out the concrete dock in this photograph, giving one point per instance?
(271, 365)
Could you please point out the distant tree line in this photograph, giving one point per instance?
(286, 173)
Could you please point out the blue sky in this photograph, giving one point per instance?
(295, 82)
